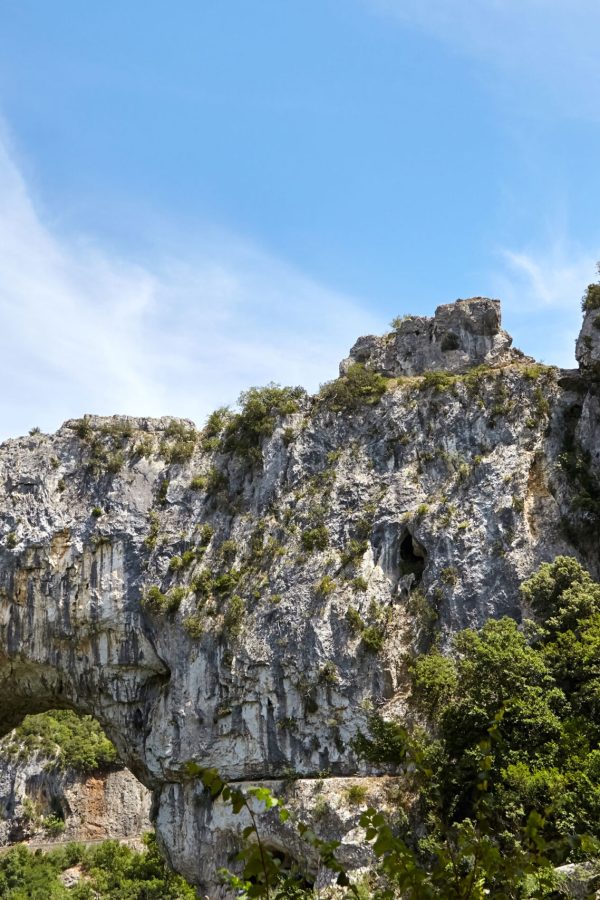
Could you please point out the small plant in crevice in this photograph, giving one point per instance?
(326, 586)
(159, 603)
(316, 538)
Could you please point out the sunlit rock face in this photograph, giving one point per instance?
(588, 344)
(288, 586)
(109, 804)
(460, 336)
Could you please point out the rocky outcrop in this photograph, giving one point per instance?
(245, 610)
(587, 350)
(460, 336)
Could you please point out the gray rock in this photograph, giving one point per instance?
(437, 502)
(587, 350)
(460, 335)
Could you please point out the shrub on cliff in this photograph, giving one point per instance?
(591, 298)
(260, 409)
(358, 387)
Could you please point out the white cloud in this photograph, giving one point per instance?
(83, 331)
(541, 291)
(547, 45)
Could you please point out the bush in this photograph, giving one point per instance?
(110, 870)
(591, 298)
(194, 625)
(315, 538)
(158, 603)
(561, 593)
(234, 616)
(260, 409)
(358, 387)
(373, 638)
(438, 381)
(326, 586)
(356, 794)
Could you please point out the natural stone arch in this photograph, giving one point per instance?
(71, 639)
(74, 634)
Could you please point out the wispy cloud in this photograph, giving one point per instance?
(541, 289)
(84, 331)
(549, 46)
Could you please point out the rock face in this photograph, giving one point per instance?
(460, 335)
(111, 804)
(282, 588)
(587, 350)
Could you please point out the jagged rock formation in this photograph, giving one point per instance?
(460, 335)
(285, 579)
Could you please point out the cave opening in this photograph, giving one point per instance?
(450, 341)
(412, 557)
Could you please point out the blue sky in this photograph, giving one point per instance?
(199, 196)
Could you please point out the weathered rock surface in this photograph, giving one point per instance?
(587, 349)
(422, 512)
(460, 335)
(110, 804)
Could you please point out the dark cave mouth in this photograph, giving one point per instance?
(413, 557)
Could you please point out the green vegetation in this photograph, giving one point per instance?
(591, 298)
(328, 673)
(373, 635)
(398, 321)
(107, 444)
(111, 871)
(513, 719)
(69, 740)
(359, 584)
(358, 387)
(187, 558)
(353, 552)
(151, 538)
(316, 538)
(178, 443)
(159, 604)
(260, 409)
(326, 586)
(438, 381)
(211, 435)
(356, 794)
(235, 613)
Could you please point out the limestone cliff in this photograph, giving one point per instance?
(242, 596)
(35, 798)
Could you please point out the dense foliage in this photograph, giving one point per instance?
(72, 741)
(111, 871)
